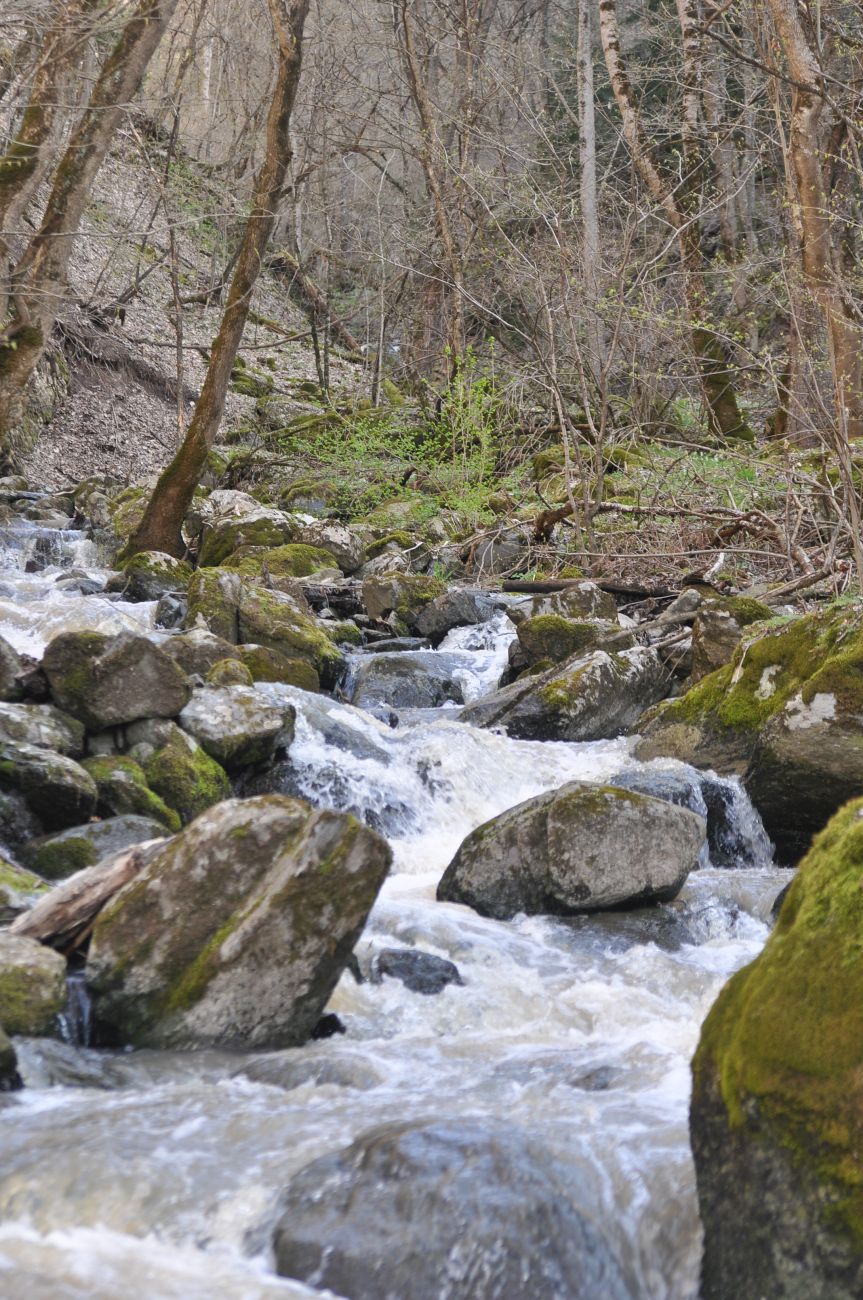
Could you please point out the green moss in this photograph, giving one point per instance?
(345, 632)
(186, 778)
(223, 541)
(229, 672)
(213, 604)
(397, 538)
(19, 880)
(122, 788)
(267, 665)
(63, 858)
(293, 560)
(554, 638)
(787, 1031)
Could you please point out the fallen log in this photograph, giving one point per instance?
(551, 585)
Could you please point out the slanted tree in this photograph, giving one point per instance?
(161, 527)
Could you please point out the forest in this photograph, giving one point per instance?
(431, 647)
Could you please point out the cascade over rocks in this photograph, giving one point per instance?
(581, 848)
(104, 680)
(236, 931)
(237, 726)
(591, 697)
(32, 986)
(777, 1095)
(468, 1208)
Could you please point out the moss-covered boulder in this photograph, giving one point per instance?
(273, 619)
(402, 594)
(32, 986)
(785, 714)
(581, 848)
(594, 696)
(122, 788)
(214, 600)
(19, 890)
(229, 672)
(56, 789)
(579, 601)
(552, 638)
(126, 510)
(295, 560)
(235, 933)
(57, 856)
(150, 575)
(196, 651)
(237, 726)
(42, 725)
(342, 544)
(778, 1095)
(259, 527)
(718, 630)
(107, 680)
(185, 776)
(268, 665)
(10, 1079)
(11, 669)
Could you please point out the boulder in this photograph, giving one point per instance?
(10, 1079)
(229, 672)
(550, 638)
(42, 725)
(502, 553)
(214, 601)
(185, 776)
(402, 594)
(778, 1094)
(11, 668)
(32, 986)
(273, 620)
(420, 972)
(59, 856)
(235, 933)
(237, 726)
(19, 890)
(277, 567)
(342, 543)
(268, 665)
(422, 680)
(107, 680)
(784, 715)
(209, 509)
(122, 788)
(195, 652)
(260, 526)
(458, 607)
(592, 697)
(583, 600)
(581, 848)
(150, 575)
(459, 1208)
(718, 630)
(56, 789)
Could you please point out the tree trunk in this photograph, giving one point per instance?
(161, 527)
(588, 190)
(38, 282)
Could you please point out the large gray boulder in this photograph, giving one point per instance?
(149, 575)
(237, 726)
(581, 848)
(342, 543)
(59, 856)
(56, 789)
(423, 680)
(107, 680)
(42, 725)
(582, 600)
(591, 697)
(32, 986)
(458, 607)
(458, 1208)
(235, 933)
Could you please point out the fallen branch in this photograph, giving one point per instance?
(286, 266)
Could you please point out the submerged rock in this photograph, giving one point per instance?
(237, 726)
(107, 680)
(236, 932)
(466, 1208)
(422, 680)
(420, 972)
(581, 848)
(32, 986)
(777, 1095)
(592, 697)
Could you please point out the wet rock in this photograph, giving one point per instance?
(273, 620)
(236, 932)
(56, 790)
(150, 575)
(583, 600)
(291, 1070)
(581, 848)
(237, 726)
(57, 856)
(184, 775)
(461, 1208)
(11, 669)
(105, 680)
(418, 681)
(402, 594)
(779, 901)
(42, 725)
(122, 789)
(777, 1095)
(421, 972)
(551, 638)
(327, 1027)
(458, 607)
(592, 697)
(32, 986)
(171, 611)
(10, 1079)
(342, 543)
(396, 644)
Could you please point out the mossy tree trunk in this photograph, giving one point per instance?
(37, 284)
(161, 527)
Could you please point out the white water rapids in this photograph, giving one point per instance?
(155, 1175)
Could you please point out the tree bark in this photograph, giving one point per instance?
(161, 527)
(588, 189)
(38, 282)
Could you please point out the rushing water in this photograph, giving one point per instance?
(150, 1175)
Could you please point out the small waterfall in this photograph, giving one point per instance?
(75, 1018)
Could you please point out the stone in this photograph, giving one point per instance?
(185, 776)
(262, 526)
(583, 600)
(57, 856)
(550, 638)
(458, 607)
(56, 789)
(11, 669)
(420, 972)
(777, 1095)
(268, 665)
(149, 575)
(277, 567)
(445, 1208)
(718, 630)
(19, 890)
(195, 652)
(172, 610)
(591, 697)
(272, 619)
(32, 986)
(403, 594)
(10, 1079)
(237, 726)
(229, 672)
(235, 933)
(581, 848)
(342, 543)
(502, 553)
(422, 680)
(122, 788)
(42, 725)
(107, 680)
(214, 600)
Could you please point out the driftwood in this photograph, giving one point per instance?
(551, 585)
(65, 918)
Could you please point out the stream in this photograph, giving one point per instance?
(156, 1175)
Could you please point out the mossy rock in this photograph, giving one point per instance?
(251, 383)
(229, 672)
(402, 594)
(345, 632)
(263, 527)
(291, 561)
(127, 511)
(151, 574)
(214, 597)
(10, 1079)
(56, 789)
(546, 463)
(58, 856)
(272, 619)
(32, 986)
(19, 889)
(398, 540)
(778, 1094)
(311, 496)
(122, 788)
(268, 665)
(551, 639)
(187, 779)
